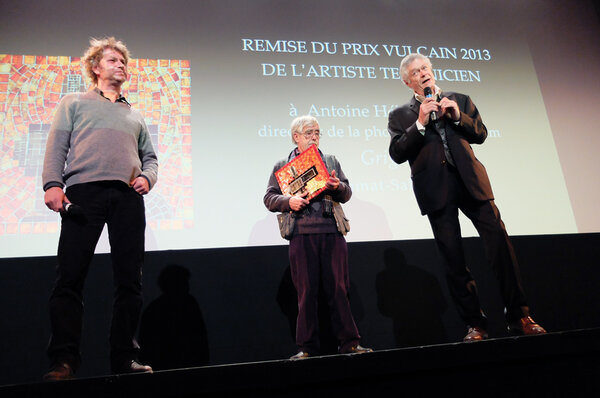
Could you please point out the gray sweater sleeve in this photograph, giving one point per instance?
(274, 200)
(57, 145)
(344, 192)
(148, 157)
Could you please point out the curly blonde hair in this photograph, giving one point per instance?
(94, 54)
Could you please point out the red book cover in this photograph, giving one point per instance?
(306, 172)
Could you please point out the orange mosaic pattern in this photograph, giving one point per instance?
(31, 87)
(305, 172)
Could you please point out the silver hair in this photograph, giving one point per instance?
(409, 60)
(299, 123)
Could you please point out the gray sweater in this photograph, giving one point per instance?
(93, 139)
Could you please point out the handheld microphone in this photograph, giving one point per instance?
(427, 92)
(72, 209)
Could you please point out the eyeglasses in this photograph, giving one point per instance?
(312, 133)
(416, 72)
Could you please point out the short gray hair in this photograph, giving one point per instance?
(409, 59)
(299, 123)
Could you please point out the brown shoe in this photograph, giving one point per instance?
(300, 355)
(133, 367)
(526, 326)
(61, 371)
(475, 334)
(357, 349)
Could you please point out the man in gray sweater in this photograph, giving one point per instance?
(99, 149)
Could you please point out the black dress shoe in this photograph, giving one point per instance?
(61, 371)
(357, 349)
(300, 355)
(475, 334)
(133, 367)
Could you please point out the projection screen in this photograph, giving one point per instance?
(219, 82)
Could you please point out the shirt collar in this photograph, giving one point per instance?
(437, 93)
(120, 99)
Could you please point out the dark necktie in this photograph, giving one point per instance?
(440, 126)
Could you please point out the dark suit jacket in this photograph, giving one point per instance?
(425, 153)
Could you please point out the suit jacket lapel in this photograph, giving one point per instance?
(414, 105)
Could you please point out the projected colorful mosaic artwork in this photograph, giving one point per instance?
(31, 87)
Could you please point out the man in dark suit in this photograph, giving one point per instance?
(434, 132)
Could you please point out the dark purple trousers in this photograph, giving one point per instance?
(322, 258)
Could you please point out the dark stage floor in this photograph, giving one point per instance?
(556, 364)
